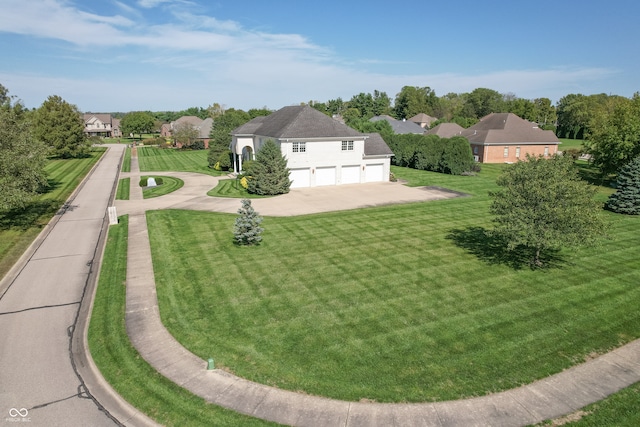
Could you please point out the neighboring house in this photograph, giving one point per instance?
(203, 127)
(423, 120)
(505, 137)
(319, 150)
(400, 126)
(101, 125)
(446, 130)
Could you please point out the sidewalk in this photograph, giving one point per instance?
(549, 398)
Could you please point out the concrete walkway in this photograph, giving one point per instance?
(549, 398)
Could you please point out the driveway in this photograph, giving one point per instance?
(299, 201)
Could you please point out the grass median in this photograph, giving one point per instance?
(121, 365)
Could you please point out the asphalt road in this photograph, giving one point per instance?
(40, 308)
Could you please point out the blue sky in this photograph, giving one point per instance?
(125, 55)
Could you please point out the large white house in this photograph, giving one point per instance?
(319, 150)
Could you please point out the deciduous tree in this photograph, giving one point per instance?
(22, 157)
(615, 134)
(186, 134)
(60, 126)
(543, 204)
(137, 122)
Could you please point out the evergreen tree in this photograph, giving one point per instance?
(269, 174)
(627, 199)
(247, 230)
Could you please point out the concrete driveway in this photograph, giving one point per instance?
(299, 201)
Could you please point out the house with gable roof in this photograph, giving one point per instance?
(446, 130)
(507, 138)
(202, 126)
(319, 149)
(102, 125)
(423, 120)
(400, 126)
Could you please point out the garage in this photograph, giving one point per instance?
(301, 178)
(350, 174)
(374, 173)
(326, 176)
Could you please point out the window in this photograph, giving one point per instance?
(517, 152)
(347, 145)
(546, 151)
(299, 147)
(475, 149)
(506, 152)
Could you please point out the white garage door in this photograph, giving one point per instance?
(350, 175)
(374, 173)
(326, 176)
(300, 178)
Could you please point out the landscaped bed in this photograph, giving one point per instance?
(400, 303)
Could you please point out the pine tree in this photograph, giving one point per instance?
(269, 174)
(247, 230)
(627, 199)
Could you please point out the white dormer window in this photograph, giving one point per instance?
(347, 145)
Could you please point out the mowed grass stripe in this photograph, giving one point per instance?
(153, 159)
(380, 304)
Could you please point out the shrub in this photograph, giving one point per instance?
(196, 145)
(247, 165)
(224, 161)
(244, 182)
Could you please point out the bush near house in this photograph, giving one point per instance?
(432, 153)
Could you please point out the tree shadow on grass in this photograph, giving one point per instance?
(34, 214)
(493, 250)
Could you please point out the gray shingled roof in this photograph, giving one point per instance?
(299, 121)
(507, 128)
(375, 146)
(400, 126)
(446, 130)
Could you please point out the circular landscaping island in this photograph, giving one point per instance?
(155, 186)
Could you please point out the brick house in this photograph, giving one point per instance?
(202, 126)
(507, 138)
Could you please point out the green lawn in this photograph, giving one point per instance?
(133, 378)
(232, 188)
(152, 159)
(19, 227)
(124, 188)
(400, 303)
(126, 161)
(169, 185)
(570, 143)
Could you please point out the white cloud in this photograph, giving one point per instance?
(229, 64)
